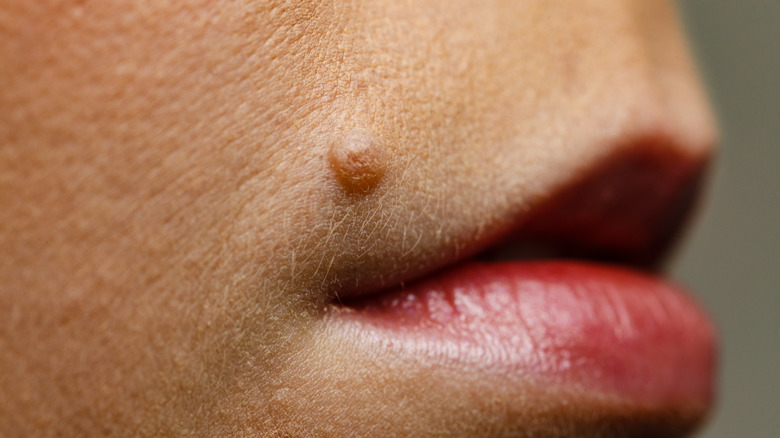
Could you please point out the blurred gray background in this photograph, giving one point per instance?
(732, 257)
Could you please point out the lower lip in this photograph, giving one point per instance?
(612, 330)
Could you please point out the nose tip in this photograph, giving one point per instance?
(629, 208)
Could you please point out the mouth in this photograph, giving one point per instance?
(570, 299)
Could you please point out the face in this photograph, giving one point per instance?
(301, 219)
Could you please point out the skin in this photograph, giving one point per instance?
(182, 193)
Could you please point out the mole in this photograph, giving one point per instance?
(359, 162)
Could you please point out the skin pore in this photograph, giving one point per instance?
(186, 186)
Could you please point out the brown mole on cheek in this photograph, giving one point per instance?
(359, 161)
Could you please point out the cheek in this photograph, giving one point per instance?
(130, 290)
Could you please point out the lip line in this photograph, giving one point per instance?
(676, 407)
(652, 191)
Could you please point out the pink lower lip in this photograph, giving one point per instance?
(613, 330)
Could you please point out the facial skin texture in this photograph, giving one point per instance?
(173, 221)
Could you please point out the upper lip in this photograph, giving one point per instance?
(629, 208)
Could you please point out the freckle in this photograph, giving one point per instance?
(358, 161)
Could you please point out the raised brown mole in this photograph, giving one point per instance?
(359, 162)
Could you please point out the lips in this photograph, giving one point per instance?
(564, 298)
